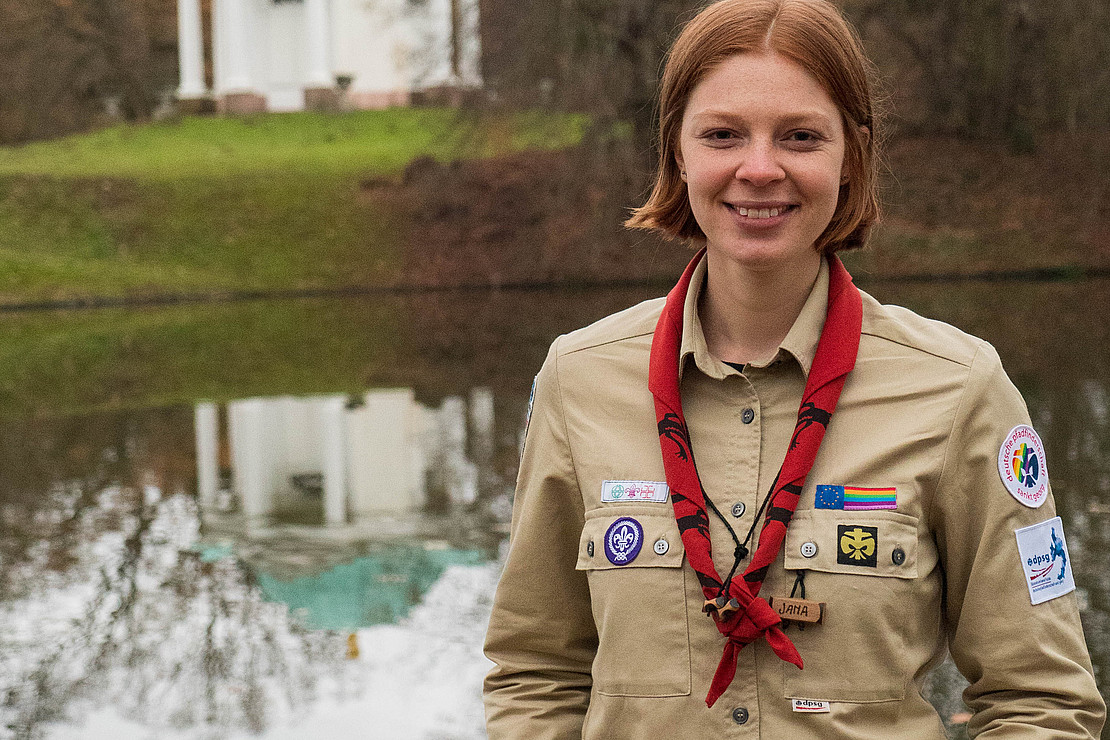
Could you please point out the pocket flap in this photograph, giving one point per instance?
(873, 543)
(637, 539)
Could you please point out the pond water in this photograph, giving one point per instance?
(284, 519)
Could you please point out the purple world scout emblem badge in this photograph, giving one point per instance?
(623, 541)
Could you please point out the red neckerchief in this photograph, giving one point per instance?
(835, 358)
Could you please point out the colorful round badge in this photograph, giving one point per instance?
(623, 541)
(1022, 466)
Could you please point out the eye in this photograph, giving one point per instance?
(719, 135)
(804, 137)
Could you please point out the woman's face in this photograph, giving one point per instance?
(762, 146)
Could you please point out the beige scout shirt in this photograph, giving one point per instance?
(587, 649)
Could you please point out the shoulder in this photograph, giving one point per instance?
(894, 330)
(598, 360)
(632, 323)
(910, 355)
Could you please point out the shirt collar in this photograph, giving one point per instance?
(800, 342)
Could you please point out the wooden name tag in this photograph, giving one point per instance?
(798, 610)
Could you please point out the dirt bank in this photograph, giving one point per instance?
(952, 207)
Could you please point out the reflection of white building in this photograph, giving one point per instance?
(290, 54)
(375, 456)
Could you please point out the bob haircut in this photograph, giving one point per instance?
(809, 32)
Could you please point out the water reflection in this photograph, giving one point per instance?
(286, 573)
(336, 459)
(321, 563)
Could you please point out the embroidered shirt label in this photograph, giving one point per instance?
(1044, 558)
(1022, 466)
(857, 545)
(855, 498)
(613, 491)
(811, 706)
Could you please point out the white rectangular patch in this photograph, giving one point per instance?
(639, 491)
(1044, 559)
(811, 706)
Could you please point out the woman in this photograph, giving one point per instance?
(767, 505)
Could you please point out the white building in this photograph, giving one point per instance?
(285, 55)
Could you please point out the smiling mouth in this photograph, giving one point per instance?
(758, 213)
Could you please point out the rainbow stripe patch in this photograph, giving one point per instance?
(854, 498)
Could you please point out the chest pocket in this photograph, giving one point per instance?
(877, 574)
(638, 601)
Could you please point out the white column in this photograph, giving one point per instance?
(190, 50)
(345, 43)
(470, 46)
(236, 45)
(335, 460)
(250, 470)
(316, 38)
(207, 432)
(378, 448)
(460, 475)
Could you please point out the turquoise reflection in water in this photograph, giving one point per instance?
(376, 589)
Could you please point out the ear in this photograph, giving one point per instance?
(681, 164)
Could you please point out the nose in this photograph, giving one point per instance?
(759, 164)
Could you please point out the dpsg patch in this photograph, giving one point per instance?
(1044, 558)
(623, 540)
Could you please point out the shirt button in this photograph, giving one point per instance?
(898, 556)
(738, 510)
(740, 715)
(809, 549)
(590, 549)
(747, 416)
(661, 546)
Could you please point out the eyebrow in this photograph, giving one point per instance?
(790, 119)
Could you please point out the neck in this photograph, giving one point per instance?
(746, 313)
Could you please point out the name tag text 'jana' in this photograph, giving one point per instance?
(798, 610)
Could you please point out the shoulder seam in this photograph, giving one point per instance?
(602, 343)
(980, 343)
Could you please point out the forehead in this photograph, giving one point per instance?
(760, 84)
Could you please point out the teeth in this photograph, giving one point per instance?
(760, 212)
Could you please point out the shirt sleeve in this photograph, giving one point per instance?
(1029, 671)
(541, 634)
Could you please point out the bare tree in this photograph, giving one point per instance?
(65, 58)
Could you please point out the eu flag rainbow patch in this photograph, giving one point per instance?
(853, 498)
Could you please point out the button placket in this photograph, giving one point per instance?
(742, 471)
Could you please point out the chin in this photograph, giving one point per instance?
(765, 257)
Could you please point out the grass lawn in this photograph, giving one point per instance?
(209, 205)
